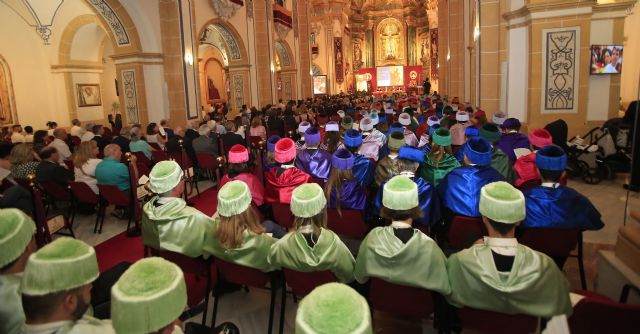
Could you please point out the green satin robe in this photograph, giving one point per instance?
(252, 253)
(329, 253)
(11, 314)
(419, 263)
(535, 286)
(175, 227)
(86, 325)
(501, 163)
(433, 173)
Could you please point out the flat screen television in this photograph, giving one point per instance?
(319, 84)
(606, 59)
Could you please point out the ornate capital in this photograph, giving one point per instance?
(226, 8)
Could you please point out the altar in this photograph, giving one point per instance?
(387, 80)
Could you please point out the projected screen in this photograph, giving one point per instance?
(390, 76)
(320, 84)
(606, 59)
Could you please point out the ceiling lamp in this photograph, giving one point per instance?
(43, 11)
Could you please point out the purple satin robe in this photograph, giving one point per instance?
(352, 196)
(510, 141)
(316, 163)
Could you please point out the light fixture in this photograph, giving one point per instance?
(188, 58)
(476, 33)
(273, 68)
(43, 11)
(448, 54)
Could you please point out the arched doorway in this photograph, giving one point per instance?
(285, 71)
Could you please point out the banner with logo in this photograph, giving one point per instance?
(339, 59)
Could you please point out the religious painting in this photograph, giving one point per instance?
(390, 38)
(357, 54)
(319, 84)
(212, 91)
(561, 58)
(88, 95)
(434, 53)
(339, 59)
(7, 99)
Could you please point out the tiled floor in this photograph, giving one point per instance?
(250, 310)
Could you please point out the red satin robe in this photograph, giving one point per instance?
(525, 166)
(278, 189)
(255, 186)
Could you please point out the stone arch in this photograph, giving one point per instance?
(66, 40)
(208, 55)
(287, 60)
(315, 69)
(235, 48)
(8, 113)
(119, 25)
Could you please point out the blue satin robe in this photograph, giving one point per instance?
(460, 153)
(316, 163)
(362, 170)
(561, 207)
(459, 191)
(427, 199)
(352, 196)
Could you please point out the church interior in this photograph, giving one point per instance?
(319, 166)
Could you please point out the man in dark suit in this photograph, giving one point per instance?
(122, 139)
(50, 171)
(98, 138)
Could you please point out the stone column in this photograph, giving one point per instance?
(262, 12)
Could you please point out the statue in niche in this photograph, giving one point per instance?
(357, 56)
(424, 53)
(214, 94)
(390, 40)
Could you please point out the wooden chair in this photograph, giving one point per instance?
(82, 193)
(210, 165)
(400, 299)
(282, 214)
(498, 323)
(350, 224)
(43, 234)
(464, 231)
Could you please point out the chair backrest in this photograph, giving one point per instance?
(241, 275)
(551, 241)
(182, 158)
(597, 315)
(140, 157)
(107, 134)
(350, 224)
(464, 231)
(23, 182)
(497, 323)
(254, 142)
(75, 140)
(206, 160)
(155, 146)
(69, 164)
(302, 283)
(82, 193)
(282, 214)
(193, 268)
(57, 191)
(143, 169)
(530, 184)
(159, 155)
(399, 299)
(43, 236)
(113, 195)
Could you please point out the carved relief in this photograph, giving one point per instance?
(390, 38)
(283, 54)
(225, 8)
(130, 96)
(250, 9)
(116, 26)
(238, 90)
(357, 54)
(560, 74)
(229, 40)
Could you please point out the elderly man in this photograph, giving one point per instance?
(88, 135)
(204, 143)
(17, 136)
(50, 171)
(98, 131)
(167, 222)
(60, 135)
(76, 130)
(497, 273)
(123, 139)
(112, 171)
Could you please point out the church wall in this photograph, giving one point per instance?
(631, 67)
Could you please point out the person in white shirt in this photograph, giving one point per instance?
(28, 136)
(85, 163)
(58, 142)
(17, 136)
(88, 135)
(52, 126)
(76, 129)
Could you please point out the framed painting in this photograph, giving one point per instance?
(88, 95)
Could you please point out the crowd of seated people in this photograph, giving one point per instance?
(409, 164)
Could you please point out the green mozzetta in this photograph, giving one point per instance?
(11, 306)
(534, 286)
(383, 255)
(435, 172)
(175, 227)
(501, 163)
(252, 253)
(329, 253)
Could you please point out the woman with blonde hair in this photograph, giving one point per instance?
(257, 128)
(22, 161)
(341, 190)
(440, 160)
(85, 162)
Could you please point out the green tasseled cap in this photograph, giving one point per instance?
(16, 231)
(442, 137)
(307, 200)
(333, 308)
(150, 295)
(233, 198)
(396, 140)
(164, 176)
(501, 202)
(64, 264)
(400, 193)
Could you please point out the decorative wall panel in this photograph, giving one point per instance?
(434, 53)
(229, 40)
(338, 59)
(560, 72)
(116, 26)
(130, 96)
(283, 54)
(238, 90)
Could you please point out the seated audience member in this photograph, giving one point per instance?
(312, 247)
(458, 129)
(238, 169)
(137, 144)
(498, 118)
(231, 138)
(98, 131)
(112, 171)
(388, 166)
(151, 133)
(17, 243)
(237, 235)
(552, 205)
(76, 129)
(363, 168)
(469, 132)
(204, 143)
(371, 145)
(331, 141)
(28, 134)
(375, 133)
(17, 136)
(479, 118)
(525, 166)
(387, 252)
(410, 138)
(333, 308)
(498, 274)
(440, 160)
(281, 181)
(173, 143)
(167, 222)
(123, 139)
(499, 160)
(341, 190)
(300, 139)
(50, 127)
(60, 135)
(269, 159)
(512, 139)
(89, 134)
(50, 171)
(85, 163)
(56, 289)
(22, 161)
(312, 160)
(409, 159)
(257, 129)
(459, 191)
(40, 140)
(164, 124)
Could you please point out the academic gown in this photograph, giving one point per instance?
(501, 163)
(352, 196)
(84, 325)
(427, 199)
(370, 147)
(252, 181)
(252, 253)
(314, 162)
(11, 306)
(561, 207)
(526, 169)
(278, 188)
(459, 191)
(386, 169)
(329, 253)
(510, 141)
(534, 286)
(362, 169)
(418, 263)
(433, 171)
(175, 227)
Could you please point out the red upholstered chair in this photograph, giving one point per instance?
(250, 277)
(113, 196)
(282, 214)
(599, 314)
(350, 224)
(75, 140)
(202, 276)
(496, 323)
(254, 142)
(69, 164)
(209, 164)
(107, 134)
(143, 169)
(529, 184)
(159, 155)
(464, 231)
(557, 244)
(43, 234)
(58, 193)
(82, 193)
(302, 283)
(399, 299)
(156, 146)
(141, 158)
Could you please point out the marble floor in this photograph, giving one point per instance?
(249, 310)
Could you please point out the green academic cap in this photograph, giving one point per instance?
(307, 200)
(16, 232)
(501, 202)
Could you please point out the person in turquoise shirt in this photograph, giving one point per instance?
(139, 145)
(111, 170)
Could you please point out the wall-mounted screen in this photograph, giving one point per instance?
(606, 59)
(319, 84)
(390, 76)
